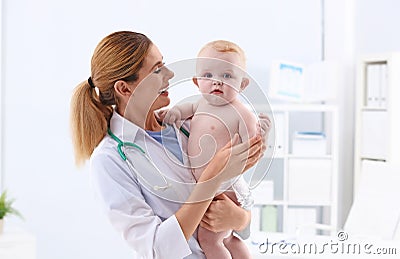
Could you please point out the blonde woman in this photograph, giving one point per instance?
(115, 106)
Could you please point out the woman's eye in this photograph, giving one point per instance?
(158, 69)
(227, 75)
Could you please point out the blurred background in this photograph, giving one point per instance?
(46, 47)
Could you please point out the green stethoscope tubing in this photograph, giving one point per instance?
(130, 144)
(122, 144)
(184, 131)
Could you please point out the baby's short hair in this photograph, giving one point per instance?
(225, 46)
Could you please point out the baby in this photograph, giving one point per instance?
(216, 118)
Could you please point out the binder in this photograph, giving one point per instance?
(373, 85)
(269, 216)
(383, 86)
(377, 85)
(309, 143)
(315, 82)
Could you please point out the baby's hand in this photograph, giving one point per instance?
(172, 116)
(264, 127)
(160, 114)
(264, 124)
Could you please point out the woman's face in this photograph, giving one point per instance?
(153, 77)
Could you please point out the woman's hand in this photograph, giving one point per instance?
(234, 159)
(223, 214)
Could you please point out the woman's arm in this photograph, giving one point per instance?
(129, 212)
(131, 215)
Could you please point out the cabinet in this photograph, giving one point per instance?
(377, 112)
(300, 188)
(17, 244)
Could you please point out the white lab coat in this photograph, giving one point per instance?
(146, 221)
(144, 217)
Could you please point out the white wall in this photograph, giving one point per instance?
(376, 26)
(363, 27)
(48, 45)
(339, 48)
(1, 96)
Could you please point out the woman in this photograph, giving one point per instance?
(116, 97)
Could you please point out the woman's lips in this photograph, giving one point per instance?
(164, 90)
(164, 93)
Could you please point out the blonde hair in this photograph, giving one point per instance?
(119, 56)
(225, 46)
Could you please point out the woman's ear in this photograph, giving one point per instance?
(122, 88)
(244, 84)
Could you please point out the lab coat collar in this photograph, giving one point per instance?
(123, 128)
(130, 132)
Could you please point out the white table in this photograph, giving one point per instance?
(16, 243)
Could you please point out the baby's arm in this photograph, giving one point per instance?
(247, 125)
(180, 112)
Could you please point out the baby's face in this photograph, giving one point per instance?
(219, 76)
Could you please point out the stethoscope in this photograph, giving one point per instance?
(122, 144)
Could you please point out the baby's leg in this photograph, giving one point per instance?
(212, 244)
(236, 247)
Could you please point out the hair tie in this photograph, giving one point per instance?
(91, 82)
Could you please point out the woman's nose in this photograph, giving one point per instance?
(169, 73)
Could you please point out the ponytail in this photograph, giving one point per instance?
(89, 121)
(119, 56)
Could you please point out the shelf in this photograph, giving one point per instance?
(296, 107)
(274, 203)
(304, 184)
(309, 203)
(376, 113)
(296, 203)
(289, 156)
(366, 108)
(303, 108)
(327, 157)
(372, 159)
